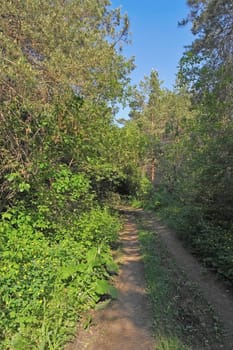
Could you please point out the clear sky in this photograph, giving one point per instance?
(157, 41)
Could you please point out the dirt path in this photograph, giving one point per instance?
(218, 296)
(127, 323)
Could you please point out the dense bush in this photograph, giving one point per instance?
(48, 279)
(61, 155)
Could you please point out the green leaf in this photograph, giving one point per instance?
(112, 267)
(113, 292)
(103, 287)
(7, 215)
(24, 187)
(68, 271)
(93, 258)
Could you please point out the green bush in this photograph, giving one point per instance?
(47, 280)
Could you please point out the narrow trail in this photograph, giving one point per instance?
(126, 324)
(218, 296)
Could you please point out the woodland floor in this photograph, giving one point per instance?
(127, 323)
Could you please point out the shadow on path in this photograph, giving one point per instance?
(126, 323)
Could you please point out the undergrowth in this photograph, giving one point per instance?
(55, 261)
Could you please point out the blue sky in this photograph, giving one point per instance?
(157, 41)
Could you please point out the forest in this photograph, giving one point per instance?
(65, 161)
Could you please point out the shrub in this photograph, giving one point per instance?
(47, 280)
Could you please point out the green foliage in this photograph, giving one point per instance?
(103, 287)
(46, 283)
(57, 86)
(196, 165)
(61, 155)
(154, 201)
(145, 187)
(189, 141)
(193, 182)
(146, 105)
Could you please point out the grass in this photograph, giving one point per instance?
(182, 319)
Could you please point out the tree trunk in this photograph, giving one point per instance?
(153, 168)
